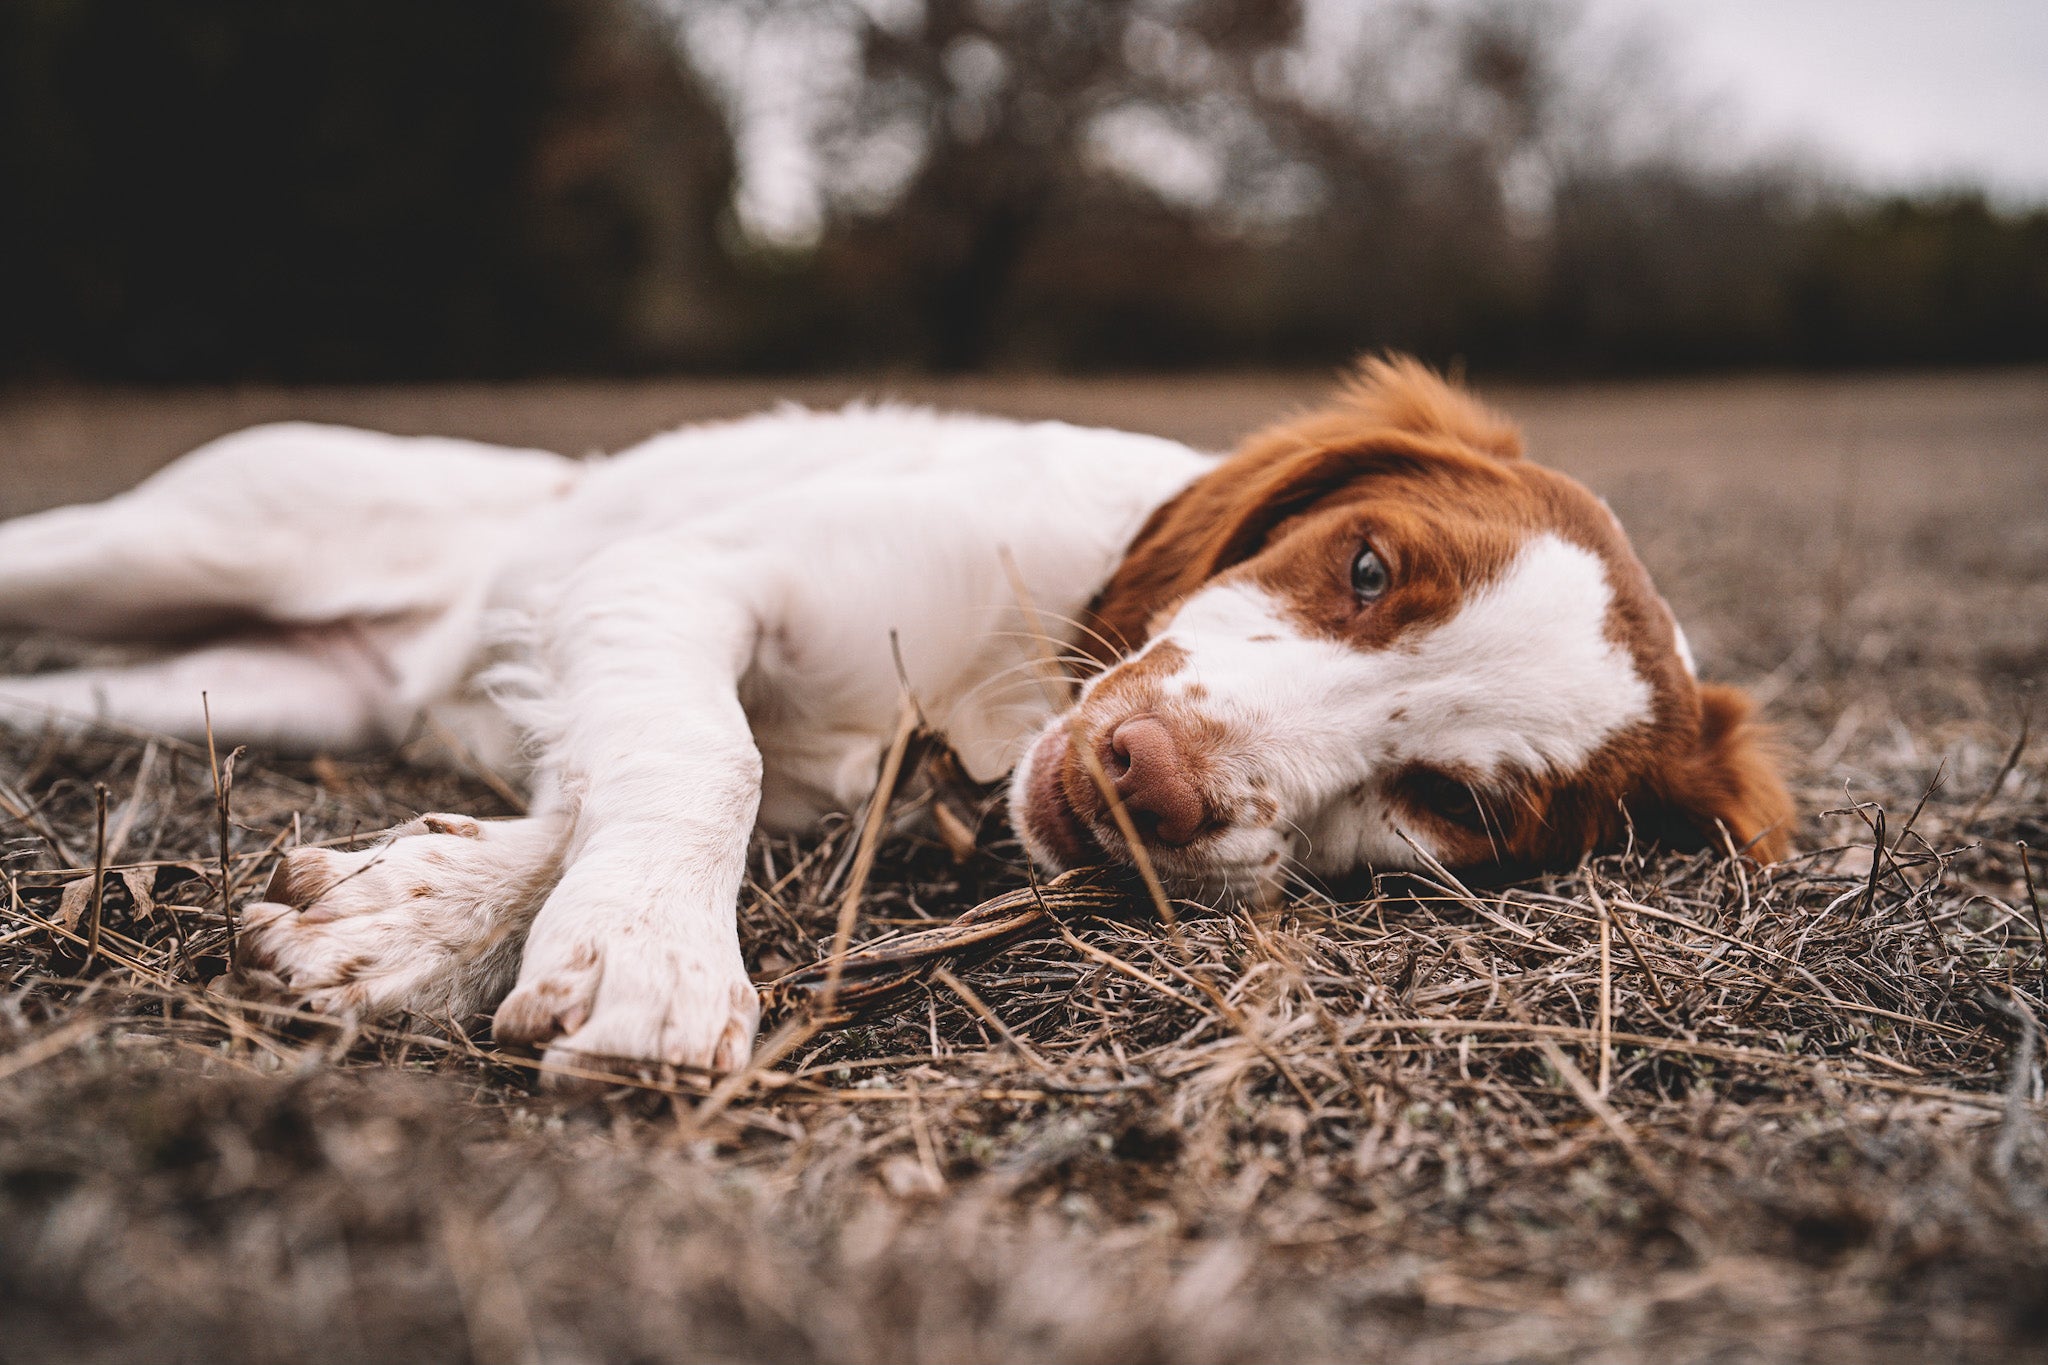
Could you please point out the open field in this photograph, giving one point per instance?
(1802, 1119)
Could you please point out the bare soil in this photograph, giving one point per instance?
(1654, 1108)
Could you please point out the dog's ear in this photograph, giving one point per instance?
(1401, 393)
(1730, 778)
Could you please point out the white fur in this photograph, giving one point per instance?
(429, 920)
(675, 642)
(1523, 678)
(1692, 669)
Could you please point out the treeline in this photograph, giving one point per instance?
(220, 189)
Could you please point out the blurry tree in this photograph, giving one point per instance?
(376, 188)
(1001, 103)
(1412, 131)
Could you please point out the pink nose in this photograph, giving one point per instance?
(1155, 784)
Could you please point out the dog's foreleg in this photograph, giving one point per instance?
(636, 953)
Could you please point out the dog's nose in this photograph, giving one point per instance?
(1153, 780)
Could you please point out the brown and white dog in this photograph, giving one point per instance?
(1375, 637)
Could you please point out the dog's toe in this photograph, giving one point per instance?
(303, 876)
(542, 1010)
(607, 1017)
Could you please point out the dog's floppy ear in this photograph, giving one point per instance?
(1730, 778)
(1401, 393)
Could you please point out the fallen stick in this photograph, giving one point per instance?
(880, 974)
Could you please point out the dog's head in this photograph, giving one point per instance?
(1378, 636)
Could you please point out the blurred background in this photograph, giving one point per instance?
(397, 190)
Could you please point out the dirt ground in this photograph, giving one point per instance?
(1654, 1108)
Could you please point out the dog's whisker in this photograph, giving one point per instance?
(1113, 649)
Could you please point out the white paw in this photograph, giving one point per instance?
(622, 997)
(429, 921)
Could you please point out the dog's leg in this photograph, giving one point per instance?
(636, 953)
(282, 524)
(335, 576)
(428, 921)
(135, 567)
(302, 690)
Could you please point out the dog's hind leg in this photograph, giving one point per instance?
(288, 524)
(304, 689)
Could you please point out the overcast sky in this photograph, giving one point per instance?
(1907, 92)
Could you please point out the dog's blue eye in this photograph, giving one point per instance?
(1369, 576)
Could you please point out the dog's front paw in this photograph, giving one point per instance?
(598, 1001)
(427, 922)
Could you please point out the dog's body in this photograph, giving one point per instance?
(715, 628)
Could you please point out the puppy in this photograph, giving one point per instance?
(1376, 636)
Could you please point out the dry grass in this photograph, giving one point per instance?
(1654, 1108)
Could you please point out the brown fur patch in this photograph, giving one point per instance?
(1403, 394)
(302, 877)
